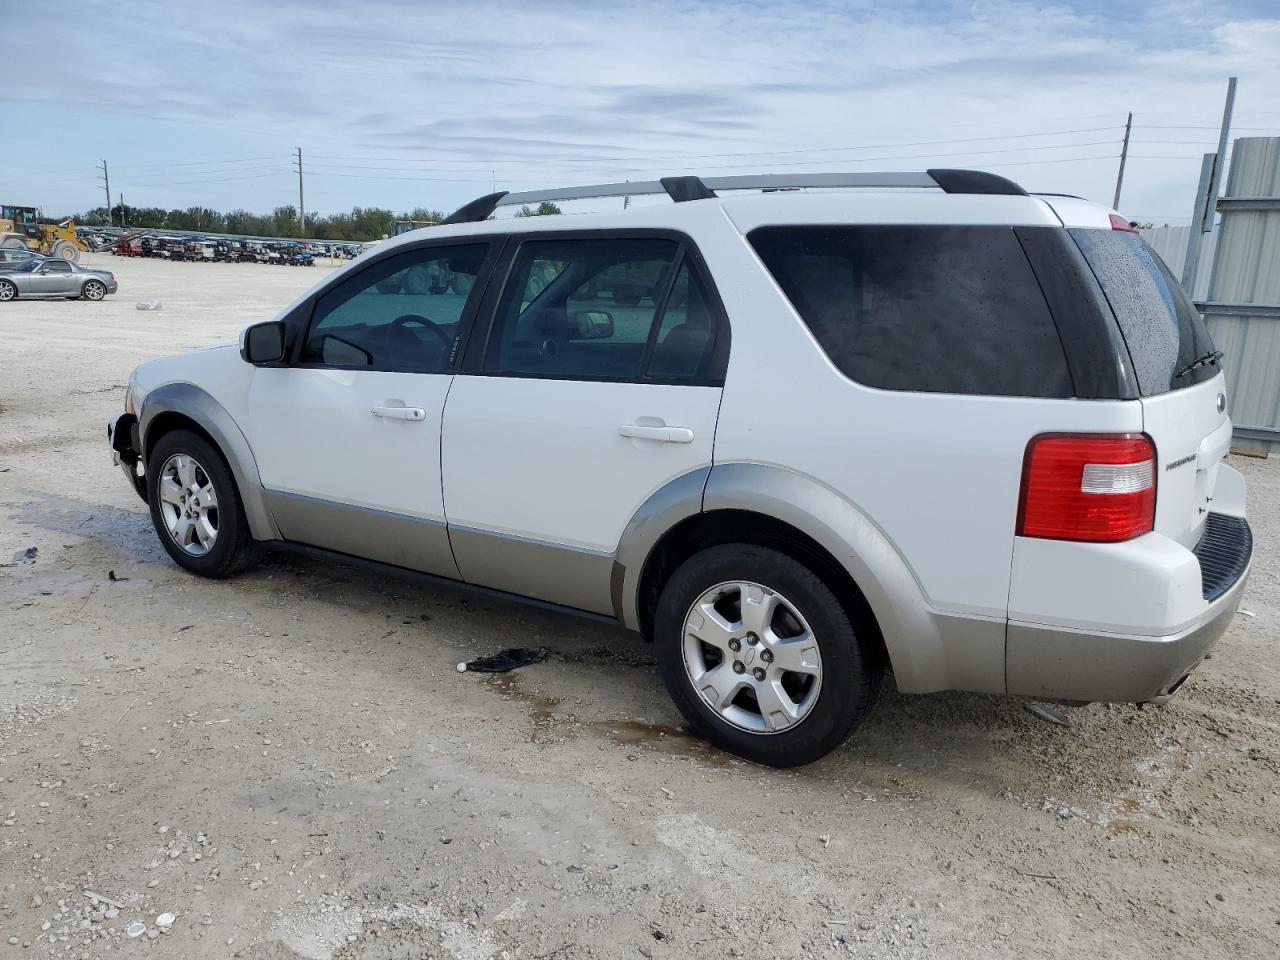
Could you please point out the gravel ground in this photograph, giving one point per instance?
(289, 764)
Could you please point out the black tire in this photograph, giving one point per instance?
(8, 291)
(415, 282)
(851, 672)
(93, 290)
(234, 549)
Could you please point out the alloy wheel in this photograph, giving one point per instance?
(188, 504)
(751, 657)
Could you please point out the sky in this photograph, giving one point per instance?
(427, 104)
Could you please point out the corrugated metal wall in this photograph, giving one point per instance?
(1171, 244)
(1243, 298)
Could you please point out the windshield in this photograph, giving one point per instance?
(1160, 325)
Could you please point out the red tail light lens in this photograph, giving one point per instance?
(1120, 223)
(1095, 488)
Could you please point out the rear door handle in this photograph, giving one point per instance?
(638, 431)
(400, 413)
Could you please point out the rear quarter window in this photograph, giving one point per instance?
(937, 309)
(1160, 325)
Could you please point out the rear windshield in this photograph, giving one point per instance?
(1164, 333)
(938, 309)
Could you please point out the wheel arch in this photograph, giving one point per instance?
(177, 406)
(773, 506)
(734, 525)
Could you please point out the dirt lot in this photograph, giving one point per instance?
(290, 765)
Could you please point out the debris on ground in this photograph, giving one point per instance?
(1246, 613)
(505, 660)
(1052, 714)
(149, 305)
(111, 575)
(25, 556)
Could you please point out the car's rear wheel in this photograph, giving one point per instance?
(196, 508)
(761, 657)
(8, 291)
(93, 290)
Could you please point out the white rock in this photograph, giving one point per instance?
(136, 929)
(165, 920)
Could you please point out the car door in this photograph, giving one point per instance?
(598, 383)
(347, 436)
(52, 278)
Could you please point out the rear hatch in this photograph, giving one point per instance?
(1178, 373)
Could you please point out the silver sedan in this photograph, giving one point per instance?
(53, 277)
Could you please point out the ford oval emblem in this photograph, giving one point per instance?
(1222, 403)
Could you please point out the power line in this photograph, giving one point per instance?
(142, 178)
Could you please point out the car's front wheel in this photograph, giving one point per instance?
(93, 290)
(761, 657)
(8, 291)
(196, 508)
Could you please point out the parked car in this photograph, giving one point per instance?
(17, 255)
(957, 432)
(54, 277)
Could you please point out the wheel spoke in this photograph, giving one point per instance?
(797, 654)
(206, 532)
(208, 497)
(720, 685)
(186, 471)
(170, 492)
(182, 531)
(706, 624)
(776, 707)
(758, 607)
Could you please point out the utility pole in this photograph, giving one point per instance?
(122, 223)
(106, 184)
(1124, 155)
(1221, 162)
(302, 206)
(1206, 206)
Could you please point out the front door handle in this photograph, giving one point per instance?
(638, 431)
(400, 413)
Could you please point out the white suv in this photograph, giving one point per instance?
(917, 422)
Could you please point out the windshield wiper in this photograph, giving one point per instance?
(1199, 362)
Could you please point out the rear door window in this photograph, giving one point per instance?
(937, 309)
(581, 309)
(1161, 327)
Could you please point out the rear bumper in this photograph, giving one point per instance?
(1066, 663)
(123, 437)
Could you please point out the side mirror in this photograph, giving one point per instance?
(590, 325)
(263, 343)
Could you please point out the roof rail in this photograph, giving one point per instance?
(682, 189)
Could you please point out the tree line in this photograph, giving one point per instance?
(358, 226)
(361, 224)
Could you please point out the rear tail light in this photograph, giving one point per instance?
(1096, 488)
(1120, 223)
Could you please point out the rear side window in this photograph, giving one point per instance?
(581, 309)
(936, 309)
(1161, 327)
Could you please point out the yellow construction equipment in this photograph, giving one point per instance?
(24, 227)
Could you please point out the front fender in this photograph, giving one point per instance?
(199, 406)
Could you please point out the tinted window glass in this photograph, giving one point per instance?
(57, 266)
(935, 309)
(1161, 327)
(682, 348)
(580, 308)
(401, 313)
